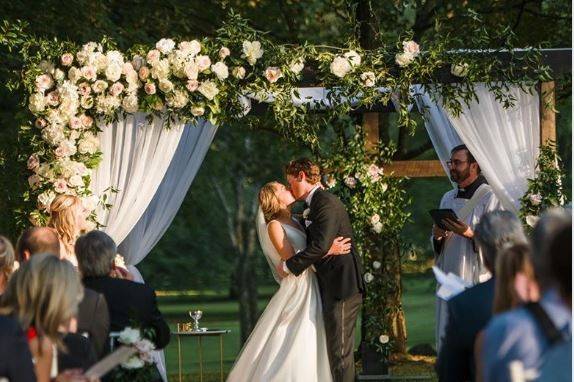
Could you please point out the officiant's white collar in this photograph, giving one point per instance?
(310, 196)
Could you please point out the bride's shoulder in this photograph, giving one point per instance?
(274, 227)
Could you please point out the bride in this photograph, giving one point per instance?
(288, 343)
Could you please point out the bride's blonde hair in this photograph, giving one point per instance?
(269, 202)
(63, 212)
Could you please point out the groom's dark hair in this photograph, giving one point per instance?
(311, 170)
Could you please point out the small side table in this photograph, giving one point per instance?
(199, 336)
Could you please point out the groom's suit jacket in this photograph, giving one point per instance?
(340, 277)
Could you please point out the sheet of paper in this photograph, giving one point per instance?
(450, 284)
(122, 354)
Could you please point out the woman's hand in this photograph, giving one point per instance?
(340, 246)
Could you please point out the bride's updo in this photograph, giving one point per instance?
(269, 202)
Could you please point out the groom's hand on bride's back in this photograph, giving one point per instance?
(341, 246)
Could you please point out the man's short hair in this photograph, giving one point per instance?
(95, 252)
(496, 231)
(36, 240)
(470, 157)
(311, 170)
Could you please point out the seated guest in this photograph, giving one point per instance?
(517, 341)
(469, 312)
(516, 283)
(557, 365)
(15, 357)
(6, 262)
(128, 302)
(43, 296)
(93, 316)
(37, 240)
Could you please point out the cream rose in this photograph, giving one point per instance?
(44, 82)
(411, 47)
(404, 59)
(203, 63)
(177, 99)
(297, 66)
(165, 45)
(37, 103)
(153, 56)
(99, 86)
(149, 88)
(208, 89)
(238, 72)
(89, 144)
(252, 51)
(60, 186)
(76, 181)
(273, 74)
(459, 70)
(224, 52)
(353, 57)
(67, 59)
(368, 79)
(87, 102)
(165, 85)
(89, 73)
(192, 85)
(130, 103)
(45, 200)
(220, 70)
(116, 89)
(197, 110)
(340, 66)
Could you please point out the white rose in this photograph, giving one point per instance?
(66, 148)
(145, 346)
(37, 103)
(306, 213)
(404, 59)
(376, 264)
(130, 103)
(67, 59)
(53, 135)
(60, 186)
(459, 70)
(384, 339)
(177, 99)
(88, 144)
(224, 52)
(411, 47)
(129, 336)
(368, 79)
(297, 65)
(59, 75)
(165, 85)
(273, 74)
(203, 63)
(252, 51)
(165, 45)
(99, 86)
(116, 89)
(115, 57)
(375, 219)
(101, 62)
(350, 181)
(208, 89)
(353, 57)
(45, 200)
(44, 82)
(378, 227)
(340, 66)
(384, 187)
(190, 48)
(153, 56)
(238, 72)
(74, 74)
(535, 199)
(90, 202)
(87, 102)
(89, 73)
(368, 277)
(220, 70)
(197, 110)
(76, 181)
(133, 363)
(191, 70)
(160, 69)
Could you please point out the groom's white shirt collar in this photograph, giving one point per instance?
(310, 196)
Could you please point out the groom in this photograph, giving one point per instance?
(339, 277)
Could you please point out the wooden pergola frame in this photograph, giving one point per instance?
(559, 60)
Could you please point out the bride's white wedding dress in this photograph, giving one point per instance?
(288, 342)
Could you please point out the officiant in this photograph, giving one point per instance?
(453, 244)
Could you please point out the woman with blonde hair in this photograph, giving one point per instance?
(7, 263)
(43, 295)
(289, 341)
(69, 218)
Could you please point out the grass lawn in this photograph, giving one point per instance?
(221, 313)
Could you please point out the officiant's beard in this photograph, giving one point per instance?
(459, 176)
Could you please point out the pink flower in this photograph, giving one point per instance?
(192, 85)
(116, 89)
(89, 73)
(44, 82)
(143, 73)
(203, 63)
(33, 181)
(87, 121)
(53, 98)
(411, 47)
(374, 172)
(85, 89)
(67, 59)
(41, 123)
(150, 88)
(33, 162)
(75, 123)
(273, 74)
(60, 186)
(127, 68)
(153, 55)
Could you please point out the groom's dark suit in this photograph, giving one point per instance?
(340, 279)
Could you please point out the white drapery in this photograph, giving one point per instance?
(505, 142)
(136, 155)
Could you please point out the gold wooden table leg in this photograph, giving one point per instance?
(200, 360)
(221, 358)
(179, 356)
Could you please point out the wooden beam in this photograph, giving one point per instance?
(547, 113)
(371, 131)
(415, 169)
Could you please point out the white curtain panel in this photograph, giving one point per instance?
(136, 155)
(505, 142)
(193, 146)
(441, 133)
